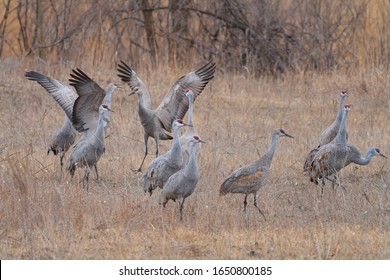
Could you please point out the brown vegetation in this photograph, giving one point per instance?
(45, 218)
(313, 49)
(265, 36)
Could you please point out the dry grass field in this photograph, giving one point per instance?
(43, 217)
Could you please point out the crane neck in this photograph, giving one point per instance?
(100, 133)
(339, 116)
(364, 160)
(192, 167)
(190, 106)
(271, 151)
(143, 98)
(176, 147)
(341, 137)
(108, 97)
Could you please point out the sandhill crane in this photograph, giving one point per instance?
(332, 157)
(84, 118)
(165, 165)
(250, 178)
(81, 107)
(157, 123)
(65, 136)
(182, 184)
(88, 151)
(330, 132)
(190, 131)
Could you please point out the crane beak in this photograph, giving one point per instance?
(134, 91)
(382, 155)
(200, 140)
(288, 135)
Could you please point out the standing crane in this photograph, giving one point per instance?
(164, 166)
(64, 137)
(332, 157)
(182, 184)
(250, 178)
(88, 151)
(330, 132)
(157, 122)
(190, 131)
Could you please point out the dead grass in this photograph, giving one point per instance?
(43, 217)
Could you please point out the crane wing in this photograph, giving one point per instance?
(64, 95)
(86, 107)
(175, 103)
(243, 177)
(130, 77)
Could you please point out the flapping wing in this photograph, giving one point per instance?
(86, 107)
(130, 77)
(175, 103)
(64, 95)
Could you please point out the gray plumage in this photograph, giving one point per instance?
(190, 130)
(332, 157)
(157, 122)
(182, 184)
(250, 178)
(85, 111)
(80, 107)
(62, 94)
(91, 145)
(330, 132)
(354, 155)
(62, 139)
(165, 165)
(87, 152)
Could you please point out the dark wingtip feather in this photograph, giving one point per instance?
(79, 77)
(125, 72)
(34, 76)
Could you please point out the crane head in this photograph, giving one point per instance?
(196, 139)
(180, 123)
(283, 133)
(189, 93)
(106, 108)
(378, 153)
(343, 93)
(347, 107)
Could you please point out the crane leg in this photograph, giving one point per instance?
(255, 204)
(156, 139)
(97, 174)
(181, 206)
(86, 178)
(61, 162)
(245, 203)
(146, 137)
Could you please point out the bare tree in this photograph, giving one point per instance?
(3, 24)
